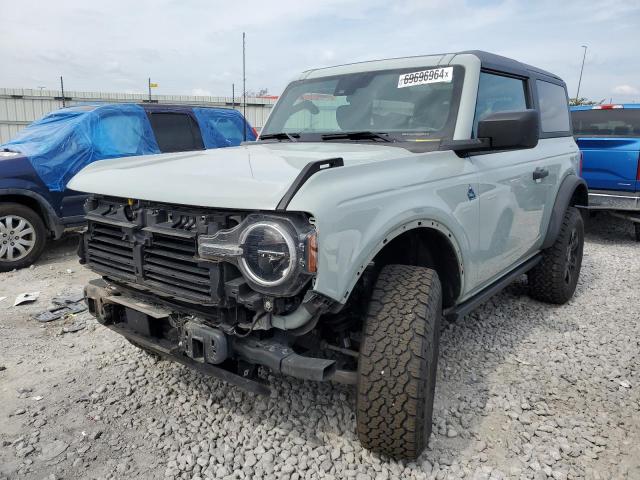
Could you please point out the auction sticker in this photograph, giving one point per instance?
(433, 75)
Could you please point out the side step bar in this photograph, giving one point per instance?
(472, 303)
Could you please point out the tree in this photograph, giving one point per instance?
(260, 93)
(583, 101)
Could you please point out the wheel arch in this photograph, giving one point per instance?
(426, 243)
(573, 191)
(35, 202)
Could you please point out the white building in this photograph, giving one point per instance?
(21, 106)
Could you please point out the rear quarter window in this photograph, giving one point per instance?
(554, 108)
(232, 131)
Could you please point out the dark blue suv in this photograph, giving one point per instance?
(36, 165)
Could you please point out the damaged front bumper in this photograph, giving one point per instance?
(207, 349)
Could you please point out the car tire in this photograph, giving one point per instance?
(23, 236)
(554, 279)
(636, 227)
(398, 361)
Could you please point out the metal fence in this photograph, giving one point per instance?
(21, 106)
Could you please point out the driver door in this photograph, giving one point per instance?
(511, 210)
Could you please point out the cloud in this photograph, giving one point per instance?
(201, 92)
(625, 90)
(196, 45)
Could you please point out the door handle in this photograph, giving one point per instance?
(540, 173)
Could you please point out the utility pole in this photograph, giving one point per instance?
(584, 54)
(244, 87)
(64, 104)
(149, 83)
(233, 95)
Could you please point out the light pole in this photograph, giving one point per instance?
(244, 88)
(584, 55)
(64, 104)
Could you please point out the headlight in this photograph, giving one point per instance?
(269, 253)
(276, 255)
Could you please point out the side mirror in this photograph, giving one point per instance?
(509, 130)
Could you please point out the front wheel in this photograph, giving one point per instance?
(636, 227)
(398, 361)
(554, 279)
(22, 236)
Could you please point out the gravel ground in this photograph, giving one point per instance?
(525, 390)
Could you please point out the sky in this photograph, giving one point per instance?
(194, 47)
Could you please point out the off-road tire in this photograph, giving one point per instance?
(554, 279)
(398, 361)
(39, 235)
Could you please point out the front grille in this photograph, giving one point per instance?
(109, 253)
(163, 259)
(170, 263)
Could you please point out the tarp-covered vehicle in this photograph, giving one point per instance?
(35, 167)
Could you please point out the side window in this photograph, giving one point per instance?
(497, 93)
(118, 135)
(554, 109)
(230, 130)
(176, 132)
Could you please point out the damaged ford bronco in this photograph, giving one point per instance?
(380, 197)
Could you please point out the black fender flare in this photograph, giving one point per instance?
(51, 220)
(566, 194)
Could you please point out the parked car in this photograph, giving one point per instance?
(380, 196)
(609, 138)
(35, 203)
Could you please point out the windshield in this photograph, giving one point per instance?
(616, 122)
(409, 104)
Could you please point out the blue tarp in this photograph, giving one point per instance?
(63, 142)
(222, 127)
(60, 144)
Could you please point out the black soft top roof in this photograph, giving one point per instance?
(491, 61)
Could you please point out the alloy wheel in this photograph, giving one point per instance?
(17, 238)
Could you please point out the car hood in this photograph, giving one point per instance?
(15, 164)
(252, 176)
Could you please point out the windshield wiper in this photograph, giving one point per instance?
(292, 137)
(363, 135)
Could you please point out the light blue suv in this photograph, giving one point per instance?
(379, 197)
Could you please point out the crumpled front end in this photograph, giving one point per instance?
(226, 290)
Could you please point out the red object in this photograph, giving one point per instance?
(606, 107)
